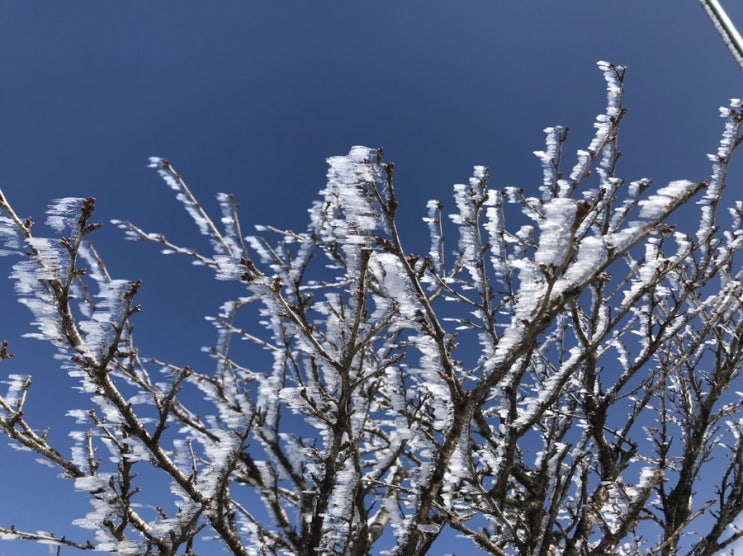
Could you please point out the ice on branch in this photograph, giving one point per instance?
(10, 238)
(549, 159)
(558, 378)
(733, 115)
(62, 214)
(346, 216)
(659, 203)
(556, 229)
(29, 286)
(183, 195)
(109, 306)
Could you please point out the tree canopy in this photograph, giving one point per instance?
(557, 374)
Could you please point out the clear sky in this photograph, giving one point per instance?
(251, 97)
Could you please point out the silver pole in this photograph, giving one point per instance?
(726, 28)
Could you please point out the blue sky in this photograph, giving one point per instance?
(251, 97)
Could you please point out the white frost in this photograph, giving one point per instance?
(658, 205)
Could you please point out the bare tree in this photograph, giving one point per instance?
(559, 379)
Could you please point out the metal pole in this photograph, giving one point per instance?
(725, 27)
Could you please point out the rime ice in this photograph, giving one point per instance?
(560, 365)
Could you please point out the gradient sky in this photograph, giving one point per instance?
(251, 97)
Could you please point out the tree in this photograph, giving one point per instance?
(561, 380)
